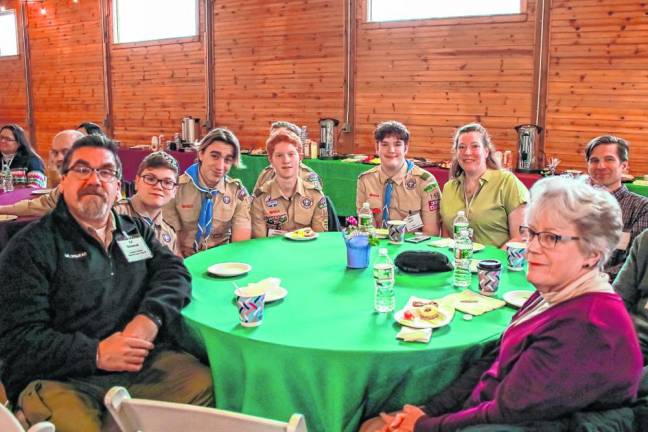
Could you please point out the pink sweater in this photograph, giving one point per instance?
(580, 354)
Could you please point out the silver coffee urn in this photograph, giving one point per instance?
(327, 137)
(530, 158)
(190, 131)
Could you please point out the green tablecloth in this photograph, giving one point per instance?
(339, 178)
(640, 189)
(322, 351)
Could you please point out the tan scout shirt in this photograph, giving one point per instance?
(270, 210)
(413, 192)
(306, 173)
(34, 207)
(231, 209)
(164, 232)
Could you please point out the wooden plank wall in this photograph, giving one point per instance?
(66, 67)
(277, 59)
(156, 85)
(285, 60)
(441, 74)
(13, 102)
(598, 78)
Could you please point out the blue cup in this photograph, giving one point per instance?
(358, 251)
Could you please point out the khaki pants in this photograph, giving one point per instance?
(77, 404)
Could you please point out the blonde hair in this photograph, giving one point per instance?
(491, 162)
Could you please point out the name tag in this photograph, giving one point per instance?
(624, 241)
(413, 222)
(134, 249)
(275, 232)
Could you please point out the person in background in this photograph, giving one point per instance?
(397, 189)
(287, 202)
(210, 208)
(88, 128)
(492, 199)
(607, 159)
(18, 156)
(61, 144)
(96, 304)
(155, 182)
(305, 172)
(571, 347)
(632, 285)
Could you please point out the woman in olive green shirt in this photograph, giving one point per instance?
(492, 199)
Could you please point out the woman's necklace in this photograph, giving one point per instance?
(467, 203)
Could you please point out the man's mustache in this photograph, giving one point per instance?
(92, 190)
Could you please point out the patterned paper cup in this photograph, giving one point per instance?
(489, 272)
(516, 253)
(250, 306)
(396, 231)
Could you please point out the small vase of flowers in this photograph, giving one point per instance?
(358, 244)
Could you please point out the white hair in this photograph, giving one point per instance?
(592, 210)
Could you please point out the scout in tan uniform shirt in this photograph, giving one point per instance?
(306, 173)
(414, 195)
(163, 231)
(287, 202)
(210, 208)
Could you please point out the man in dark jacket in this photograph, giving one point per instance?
(90, 299)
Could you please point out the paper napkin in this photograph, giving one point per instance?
(409, 334)
(472, 303)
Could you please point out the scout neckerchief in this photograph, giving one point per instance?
(206, 206)
(389, 188)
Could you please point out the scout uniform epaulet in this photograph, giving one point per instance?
(371, 171)
(122, 201)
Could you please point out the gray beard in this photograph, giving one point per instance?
(93, 207)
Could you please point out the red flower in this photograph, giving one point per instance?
(375, 211)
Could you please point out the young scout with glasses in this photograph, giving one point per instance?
(156, 183)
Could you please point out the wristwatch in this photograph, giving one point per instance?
(153, 317)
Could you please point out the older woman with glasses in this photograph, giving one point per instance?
(571, 346)
(492, 199)
(20, 159)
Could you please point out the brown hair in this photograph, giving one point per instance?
(225, 136)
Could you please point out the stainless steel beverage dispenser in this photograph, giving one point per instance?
(327, 137)
(530, 158)
(190, 130)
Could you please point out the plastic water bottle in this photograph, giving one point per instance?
(460, 223)
(365, 218)
(463, 251)
(7, 181)
(383, 274)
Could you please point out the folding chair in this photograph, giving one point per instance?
(9, 423)
(143, 415)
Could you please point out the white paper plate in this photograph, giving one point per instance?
(7, 218)
(517, 298)
(446, 310)
(229, 269)
(449, 243)
(293, 236)
(273, 294)
(41, 191)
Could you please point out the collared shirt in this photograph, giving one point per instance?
(306, 173)
(164, 232)
(231, 209)
(414, 192)
(103, 235)
(271, 210)
(634, 212)
(499, 194)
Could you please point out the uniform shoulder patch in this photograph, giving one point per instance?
(425, 175)
(369, 171)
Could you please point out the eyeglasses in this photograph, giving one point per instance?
(151, 180)
(547, 240)
(84, 172)
(6, 139)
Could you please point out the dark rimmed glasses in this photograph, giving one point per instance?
(151, 180)
(83, 172)
(546, 239)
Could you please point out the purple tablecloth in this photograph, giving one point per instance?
(9, 228)
(131, 159)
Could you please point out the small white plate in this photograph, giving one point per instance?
(41, 191)
(7, 218)
(517, 298)
(293, 236)
(447, 311)
(273, 294)
(449, 243)
(229, 269)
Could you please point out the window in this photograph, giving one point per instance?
(396, 10)
(147, 20)
(8, 34)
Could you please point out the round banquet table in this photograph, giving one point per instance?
(322, 350)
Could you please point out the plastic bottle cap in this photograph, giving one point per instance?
(366, 204)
